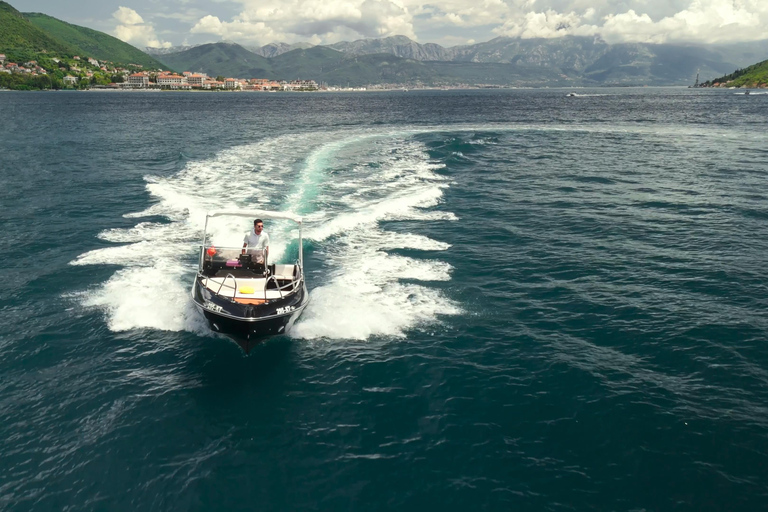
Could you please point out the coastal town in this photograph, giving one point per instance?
(89, 73)
(190, 81)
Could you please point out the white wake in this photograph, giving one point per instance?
(344, 184)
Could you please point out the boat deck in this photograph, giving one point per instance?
(249, 291)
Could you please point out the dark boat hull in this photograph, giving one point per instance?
(248, 325)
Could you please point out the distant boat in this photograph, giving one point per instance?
(571, 95)
(746, 93)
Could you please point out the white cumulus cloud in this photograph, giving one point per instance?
(695, 21)
(317, 21)
(132, 29)
(547, 24)
(446, 21)
(691, 21)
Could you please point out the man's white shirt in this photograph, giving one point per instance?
(255, 241)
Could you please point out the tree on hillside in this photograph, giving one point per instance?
(42, 81)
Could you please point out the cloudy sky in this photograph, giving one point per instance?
(164, 23)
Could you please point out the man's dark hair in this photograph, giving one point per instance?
(258, 221)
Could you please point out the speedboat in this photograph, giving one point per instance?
(245, 296)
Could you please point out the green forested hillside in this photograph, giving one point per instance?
(306, 63)
(755, 75)
(18, 36)
(92, 43)
(46, 51)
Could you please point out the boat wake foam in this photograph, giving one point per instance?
(345, 185)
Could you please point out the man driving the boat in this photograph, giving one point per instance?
(256, 242)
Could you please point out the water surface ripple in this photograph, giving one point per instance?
(519, 301)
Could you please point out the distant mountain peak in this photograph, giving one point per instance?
(151, 50)
(274, 49)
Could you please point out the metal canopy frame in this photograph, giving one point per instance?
(267, 214)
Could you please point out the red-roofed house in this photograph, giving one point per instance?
(138, 80)
(209, 83)
(172, 81)
(197, 78)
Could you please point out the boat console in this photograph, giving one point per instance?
(220, 262)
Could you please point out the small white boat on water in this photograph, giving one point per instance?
(247, 298)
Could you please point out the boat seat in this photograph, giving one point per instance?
(284, 272)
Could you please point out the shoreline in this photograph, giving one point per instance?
(403, 90)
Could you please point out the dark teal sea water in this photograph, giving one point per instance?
(520, 301)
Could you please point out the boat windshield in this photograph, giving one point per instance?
(222, 260)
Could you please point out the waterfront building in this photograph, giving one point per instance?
(300, 85)
(196, 79)
(209, 83)
(171, 81)
(138, 80)
(231, 83)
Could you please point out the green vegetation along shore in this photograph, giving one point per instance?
(751, 77)
(40, 52)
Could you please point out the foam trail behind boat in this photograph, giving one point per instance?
(345, 184)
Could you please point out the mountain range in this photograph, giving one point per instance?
(503, 61)
(564, 61)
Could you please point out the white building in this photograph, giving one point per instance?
(171, 81)
(138, 80)
(197, 79)
(209, 83)
(70, 80)
(231, 83)
(300, 85)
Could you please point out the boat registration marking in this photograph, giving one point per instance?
(286, 309)
(213, 307)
